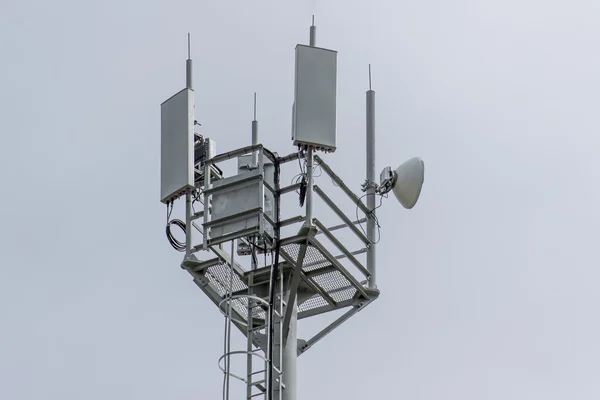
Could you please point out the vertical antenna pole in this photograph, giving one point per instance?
(254, 134)
(309, 186)
(188, 66)
(254, 165)
(309, 155)
(188, 196)
(371, 220)
(290, 351)
(313, 33)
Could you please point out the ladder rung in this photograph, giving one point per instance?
(257, 394)
(258, 372)
(261, 372)
(258, 328)
(261, 387)
(257, 382)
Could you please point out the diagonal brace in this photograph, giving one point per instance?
(293, 286)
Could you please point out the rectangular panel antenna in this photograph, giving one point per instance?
(177, 145)
(315, 93)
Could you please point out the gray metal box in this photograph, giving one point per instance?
(237, 204)
(177, 145)
(315, 96)
(248, 163)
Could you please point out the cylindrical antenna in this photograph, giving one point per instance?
(313, 33)
(254, 165)
(188, 196)
(309, 153)
(371, 219)
(254, 135)
(254, 125)
(188, 66)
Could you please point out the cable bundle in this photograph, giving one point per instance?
(177, 245)
(273, 277)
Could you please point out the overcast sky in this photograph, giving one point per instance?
(489, 285)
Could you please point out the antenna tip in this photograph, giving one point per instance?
(189, 46)
(313, 20)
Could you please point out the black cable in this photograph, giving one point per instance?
(302, 170)
(274, 273)
(297, 179)
(256, 246)
(177, 245)
(254, 257)
(371, 214)
(196, 197)
(320, 172)
(303, 187)
(302, 178)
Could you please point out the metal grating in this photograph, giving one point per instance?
(292, 249)
(313, 259)
(241, 306)
(218, 277)
(343, 295)
(336, 285)
(315, 301)
(331, 281)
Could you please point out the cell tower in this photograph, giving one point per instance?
(308, 266)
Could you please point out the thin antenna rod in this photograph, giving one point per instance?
(188, 65)
(254, 141)
(313, 33)
(370, 184)
(309, 154)
(188, 196)
(189, 47)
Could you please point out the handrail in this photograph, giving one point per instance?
(342, 185)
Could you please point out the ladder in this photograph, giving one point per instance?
(257, 385)
(257, 352)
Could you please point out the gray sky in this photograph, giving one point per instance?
(489, 286)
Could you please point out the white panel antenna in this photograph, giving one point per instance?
(315, 93)
(177, 148)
